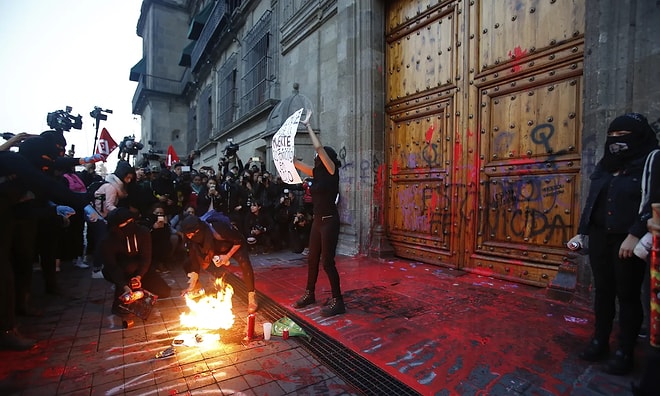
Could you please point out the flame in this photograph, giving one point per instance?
(211, 312)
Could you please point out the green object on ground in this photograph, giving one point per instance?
(287, 323)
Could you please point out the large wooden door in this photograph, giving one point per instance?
(484, 135)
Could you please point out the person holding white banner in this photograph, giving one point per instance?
(324, 234)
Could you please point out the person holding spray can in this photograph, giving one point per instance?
(610, 219)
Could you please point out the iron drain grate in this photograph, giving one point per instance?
(350, 366)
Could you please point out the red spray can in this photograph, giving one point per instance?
(250, 326)
(285, 334)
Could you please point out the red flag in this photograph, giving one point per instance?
(106, 143)
(172, 158)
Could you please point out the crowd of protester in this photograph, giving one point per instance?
(47, 233)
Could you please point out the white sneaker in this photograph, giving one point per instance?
(305, 252)
(80, 263)
(97, 274)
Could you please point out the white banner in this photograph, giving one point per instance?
(283, 149)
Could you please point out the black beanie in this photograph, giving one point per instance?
(123, 169)
(119, 216)
(41, 151)
(190, 224)
(633, 122)
(58, 139)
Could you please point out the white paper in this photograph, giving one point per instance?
(283, 149)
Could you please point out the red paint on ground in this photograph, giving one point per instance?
(436, 329)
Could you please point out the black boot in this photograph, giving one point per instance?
(621, 363)
(335, 307)
(306, 299)
(596, 351)
(13, 340)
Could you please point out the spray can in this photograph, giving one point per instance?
(285, 334)
(250, 326)
(574, 245)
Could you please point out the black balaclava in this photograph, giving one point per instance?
(58, 138)
(620, 150)
(121, 222)
(40, 151)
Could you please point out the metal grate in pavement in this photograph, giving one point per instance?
(350, 366)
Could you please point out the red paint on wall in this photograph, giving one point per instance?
(429, 134)
(517, 55)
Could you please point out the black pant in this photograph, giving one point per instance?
(616, 278)
(323, 239)
(7, 292)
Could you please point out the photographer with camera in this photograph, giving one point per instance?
(211, 198)
(164, 190)
(164, 240)
(284, 214)
(108, 197)
(128, 146)
(258, 228)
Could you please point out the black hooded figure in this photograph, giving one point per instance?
(126, 249)
(324, 235)
(213, 239)
(610, 219)
(22, 178)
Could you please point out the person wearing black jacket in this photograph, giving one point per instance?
(21, 179)
(127, 251)
(213, 239)
(611, 222)
(324, 234)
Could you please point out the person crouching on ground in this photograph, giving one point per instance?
(127, 252)
(213, 238)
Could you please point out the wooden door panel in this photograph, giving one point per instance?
(509, 30)
(421, 59)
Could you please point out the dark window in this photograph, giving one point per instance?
(258, 65)
(192, 129)
(227, 92)
(205, 119)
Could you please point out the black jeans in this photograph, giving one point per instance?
(616, 278)
(323, 239)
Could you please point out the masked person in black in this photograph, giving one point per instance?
(324, 234)
(213, 238)
(22, 178)
(127, 252)
(610, 220)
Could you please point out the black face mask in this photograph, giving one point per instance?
(620, 150)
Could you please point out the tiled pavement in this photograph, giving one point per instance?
(84, 350)
(410, 328)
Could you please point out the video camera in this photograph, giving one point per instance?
(129, 146)
(231, 149)
(63, 120)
